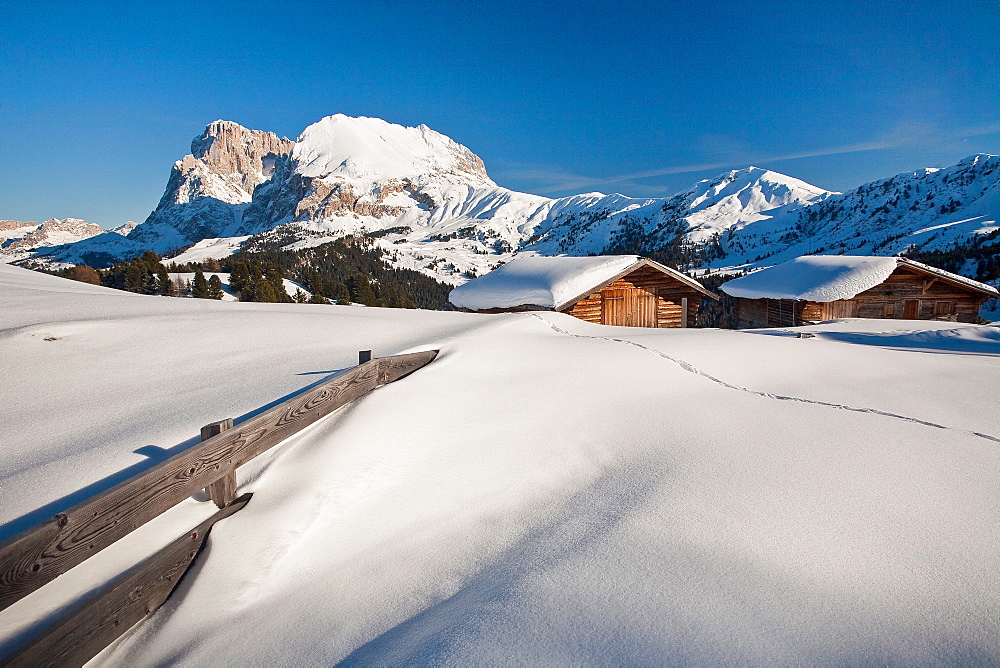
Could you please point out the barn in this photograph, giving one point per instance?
(624, 290)
(813, 288)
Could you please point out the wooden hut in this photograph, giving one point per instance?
(813, 288)
(624, 290)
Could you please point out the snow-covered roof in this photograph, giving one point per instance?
(550, 281)
(826, 278)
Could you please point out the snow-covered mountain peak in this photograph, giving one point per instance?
(370, 150)
(19, 240)
(774, 188)
(732, 199)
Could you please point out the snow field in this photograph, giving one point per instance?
(546, 491)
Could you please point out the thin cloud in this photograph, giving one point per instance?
(902, 136)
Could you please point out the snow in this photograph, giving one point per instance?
(370, 149)
(215, 248)
(741, 197)
(547, 491)
(539, 281)
(820, 278)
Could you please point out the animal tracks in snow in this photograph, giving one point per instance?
(690, 368)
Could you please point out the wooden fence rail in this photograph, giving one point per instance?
(37, 555)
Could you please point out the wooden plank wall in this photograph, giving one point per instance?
(668, 294)
(936, 300)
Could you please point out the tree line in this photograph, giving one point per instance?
(147, 275)
(351, 270)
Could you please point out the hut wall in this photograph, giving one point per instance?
(904, 295)
(768, 312)
(644, 298)
(588, 308)
(908, 295)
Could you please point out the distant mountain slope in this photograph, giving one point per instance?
(19, 241)
(429, 202)
(928, 209)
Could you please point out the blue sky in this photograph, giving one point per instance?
(97, 100)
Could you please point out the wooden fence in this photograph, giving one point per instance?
(39, 554)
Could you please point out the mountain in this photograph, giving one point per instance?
(209, 189)
(430, 203)
(19, 241)
(694, 218)
(925, 210)
(423, 197)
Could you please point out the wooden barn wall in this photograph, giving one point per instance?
(929, 300)
(667, 291)
(768, 312)
(936, 299)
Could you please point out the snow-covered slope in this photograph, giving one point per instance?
(19, 241)
(684, 497)
(423, 196)
(929, 208)
(370, 150)
(430, 201)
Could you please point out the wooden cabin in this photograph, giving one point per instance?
(814, 288)
(623, 290)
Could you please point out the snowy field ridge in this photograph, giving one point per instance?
(546, 490)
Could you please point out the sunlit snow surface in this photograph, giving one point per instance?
(539, 280)
(546, 492)
(822, 278)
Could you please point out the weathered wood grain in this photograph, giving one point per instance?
(35, 556)
(906, 294)
(223, 490)
(81, 632)
(644, 298)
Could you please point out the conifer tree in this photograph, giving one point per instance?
(133, 278)
(361, 290)
(341, 294)
(199, 289)
(265, 291)
(317, 299)
(215, 287)
(162, 281)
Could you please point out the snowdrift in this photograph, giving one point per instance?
(547, 491)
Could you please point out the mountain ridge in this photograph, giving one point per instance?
(431, 204)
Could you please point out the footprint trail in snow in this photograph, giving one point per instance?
(690, 368)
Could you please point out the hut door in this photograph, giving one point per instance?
(645, 309)
(628, 308)
(911, 307)
(613, 307)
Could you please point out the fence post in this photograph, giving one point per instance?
(223, 490)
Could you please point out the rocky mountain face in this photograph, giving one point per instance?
(209, 188)
(425, 198)
(19, 240)
(430, 203)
